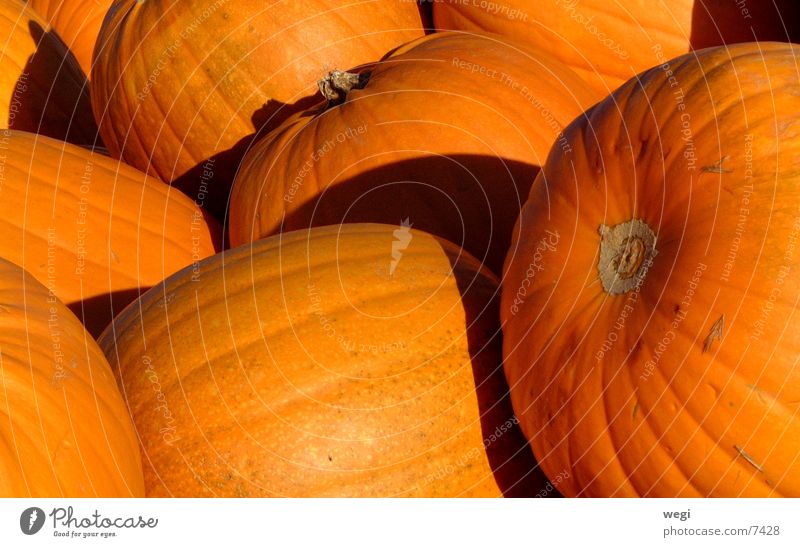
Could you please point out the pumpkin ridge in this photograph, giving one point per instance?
(700, 422)
(108, 39)
(308, 396)
(10, 453)
(166, 135)
(246, 124)
(659, 434)
(297, 322)
(232, 90)
(664, 30)
(687, 444)
(122, 275)
(31, 490)
(399, 433)
(623, 468)
(67, 191)
(401, 76)
(50, 411)
(54, 453)
(311, 317)
(615, 441)
(645, 410)
(175, 321)
(210, 458)
(286, 240)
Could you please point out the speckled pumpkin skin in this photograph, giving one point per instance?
(360, 360)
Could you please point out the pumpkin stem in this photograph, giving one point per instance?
(626, 253)
(337, 84)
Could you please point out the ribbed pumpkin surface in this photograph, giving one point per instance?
(680, 379)
(64, 429)
(608, 42)
(359, 360)
(179, 82)
(449, 132)
(95, 231)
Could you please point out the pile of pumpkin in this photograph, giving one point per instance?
(390, 248)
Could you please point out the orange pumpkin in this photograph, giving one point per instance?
(94, 231)
(180, 87)
(650, 308)
(357, 360)
(65, 429)
(77, 22)
(448, 132)
(609, 42)
(42, 89)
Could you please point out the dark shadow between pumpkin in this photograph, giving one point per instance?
(51, 95)
(212, 193)
(511, 459)
(97, 312)
(750, 22)
(215, 197)
(425, 191)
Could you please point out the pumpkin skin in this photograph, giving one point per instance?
(95, 231)
(676, 378)
(77, 22)
(318, 363)
(178, 83)
(65, 429)
(428, 139)
(607, 43)
(42, 88)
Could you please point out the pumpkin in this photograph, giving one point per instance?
(181, 87)
(356, 360)
(650, 308)
(448, 132)
(77, 22)
(609, 42)
(65, 430)
(42, 89)
(94, 231)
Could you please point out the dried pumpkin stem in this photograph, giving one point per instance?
(337, 84)
(626, 253)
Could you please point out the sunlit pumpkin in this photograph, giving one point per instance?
(650, 309)
(180, 87)
(358, 360)
(447, 133)
(608, 42)
(65, 430)
(95, 231)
